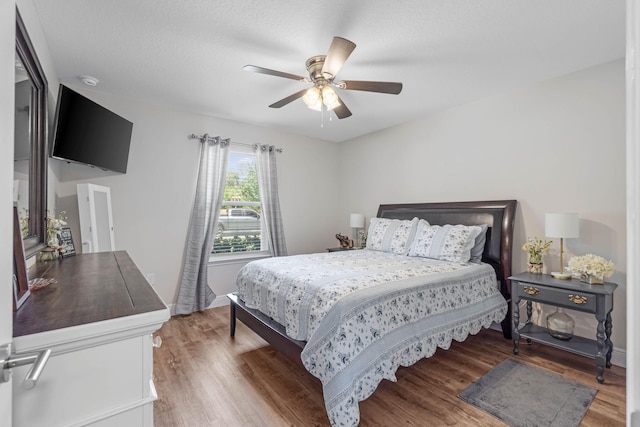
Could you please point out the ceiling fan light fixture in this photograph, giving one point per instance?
(312, 97)
(329, 98)
(322, 71)
(317, 106)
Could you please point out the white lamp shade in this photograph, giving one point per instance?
(356, 220)
(565, 225)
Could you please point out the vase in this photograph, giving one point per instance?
(592, 280)
(535, 268)
(560, 325)
(52, 238)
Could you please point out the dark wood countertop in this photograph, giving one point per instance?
(91, 288)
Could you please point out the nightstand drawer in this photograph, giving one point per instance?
(572, 299)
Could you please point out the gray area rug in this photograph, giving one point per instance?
(523, 395)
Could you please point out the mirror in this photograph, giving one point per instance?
(30, 156)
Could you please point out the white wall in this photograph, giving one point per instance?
(558, 146)
(152, 201)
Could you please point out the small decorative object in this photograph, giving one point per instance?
(590, 268)
(49, 254)
(363, 238)
(67, 247)
(560, 325)
(535, 247)
(344, 240)
(54, 227)
(564, 226)
(39, 283)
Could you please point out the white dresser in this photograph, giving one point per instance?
(98, 322)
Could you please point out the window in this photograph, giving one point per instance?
(240, 223)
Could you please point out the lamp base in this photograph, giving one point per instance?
(557, 275)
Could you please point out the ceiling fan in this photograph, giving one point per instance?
(322, 72)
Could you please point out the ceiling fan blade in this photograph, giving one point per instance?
(341, 110)
(288, 99)
(339, 51)
(261, 70)
(381, 87)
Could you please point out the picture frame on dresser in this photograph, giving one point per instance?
(65, 239)
(20, 279)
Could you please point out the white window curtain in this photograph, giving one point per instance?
(194, 293)
(268, 187)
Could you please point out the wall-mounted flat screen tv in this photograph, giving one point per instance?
(88, 133)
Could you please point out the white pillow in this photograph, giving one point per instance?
(391, 235)
(447, 242)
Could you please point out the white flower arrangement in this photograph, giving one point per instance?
(536, 247)
(54, 227)
(24, 223)
(591, 265)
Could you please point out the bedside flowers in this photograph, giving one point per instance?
(591, 268)
(535, 247)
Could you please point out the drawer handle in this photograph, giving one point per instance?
(577, 299)
(531, 290)
(37, 360)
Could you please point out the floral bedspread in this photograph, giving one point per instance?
(365, 313)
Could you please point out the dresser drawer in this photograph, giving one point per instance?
(571, 299)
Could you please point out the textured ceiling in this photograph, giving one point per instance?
(190, 54)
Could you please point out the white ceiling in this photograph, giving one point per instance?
(190, 54)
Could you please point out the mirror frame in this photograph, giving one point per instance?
(38, 167)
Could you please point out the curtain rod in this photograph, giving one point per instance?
(207, 138)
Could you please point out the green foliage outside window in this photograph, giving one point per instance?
(241, 191)
(236, 244)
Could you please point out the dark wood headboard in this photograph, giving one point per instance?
(499, 215)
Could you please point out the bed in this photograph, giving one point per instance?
(351, 318)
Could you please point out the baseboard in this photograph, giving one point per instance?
(220, 301)
(619, 357)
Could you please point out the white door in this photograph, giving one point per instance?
(7, 81)
(6, 318)
(96, 219)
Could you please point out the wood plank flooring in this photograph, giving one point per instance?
(206, 378)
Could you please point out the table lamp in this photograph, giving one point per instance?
(356, 221)
(563, 226)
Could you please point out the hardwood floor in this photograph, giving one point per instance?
(206, 378)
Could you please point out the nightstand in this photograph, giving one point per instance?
(571, 294)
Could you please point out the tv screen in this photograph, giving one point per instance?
(88, 133)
